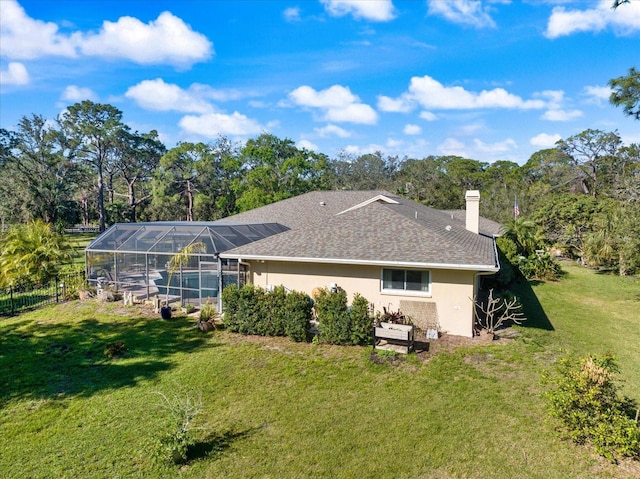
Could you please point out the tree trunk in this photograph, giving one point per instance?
(132, 200)
(189, 200)
(101, 212)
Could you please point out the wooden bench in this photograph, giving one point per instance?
(394, 334)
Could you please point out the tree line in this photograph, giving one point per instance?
(88, 167)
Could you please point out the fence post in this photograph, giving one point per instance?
(11, 298)
(57, 293)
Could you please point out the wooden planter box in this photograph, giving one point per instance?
(388, 335)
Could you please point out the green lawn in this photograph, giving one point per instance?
(273, 408)
(78, 243)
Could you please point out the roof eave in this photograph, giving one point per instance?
(406, 264)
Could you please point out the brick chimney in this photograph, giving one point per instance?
(473, 211)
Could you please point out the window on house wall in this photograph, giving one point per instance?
(409, 280)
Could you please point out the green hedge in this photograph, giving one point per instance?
(340, 324)
(253, 310)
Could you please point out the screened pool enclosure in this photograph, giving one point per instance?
(137, 258)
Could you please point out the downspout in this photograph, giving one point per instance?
(220, 283)
(485, 273)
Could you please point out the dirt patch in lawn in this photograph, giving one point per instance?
(426, 349)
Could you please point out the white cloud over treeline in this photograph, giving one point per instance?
(566, 21)
(165, 40)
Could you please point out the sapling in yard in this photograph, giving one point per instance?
(174, 445)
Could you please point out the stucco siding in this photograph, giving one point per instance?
(450, 290)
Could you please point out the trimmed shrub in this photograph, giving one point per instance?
(361, 320)
(230, 299)
(253, 310)
(333, 316)
(297, 316)
(271, 322)
(585, 399)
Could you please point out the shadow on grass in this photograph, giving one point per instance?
(58, 359)
(533, 310)
(216, 444)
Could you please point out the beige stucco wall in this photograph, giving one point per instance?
(451, 290)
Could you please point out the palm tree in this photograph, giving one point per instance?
(181, 258)
(523, 233)
(32, 251)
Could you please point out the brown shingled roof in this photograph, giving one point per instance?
(406, 233)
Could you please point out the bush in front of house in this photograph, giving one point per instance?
(361, 320)
(230, 297)
(333, 316)
(253, 310)
(340, 324)
(273, 308)
(250, 309)
(297, 316)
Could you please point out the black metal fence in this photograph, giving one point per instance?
(28, 296)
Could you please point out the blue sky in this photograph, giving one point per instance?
(488, 80)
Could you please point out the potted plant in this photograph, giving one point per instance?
(208, 317)
(175, 264)
(165, 311)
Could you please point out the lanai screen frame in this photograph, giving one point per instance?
(133, 257)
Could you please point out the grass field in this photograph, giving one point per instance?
(273, 408)
(78, 243)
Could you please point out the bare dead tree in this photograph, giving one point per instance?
(496, 312)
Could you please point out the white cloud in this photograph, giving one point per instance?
(332, 130)
(373, 10)
(166, 40)
(544, 140)
(334, 97)
(451, 146)
(464, 12)
(358, 150)
(306, 144)
(431, 94)
(395, 105)
(337, 103)
(597, 94)
(623, 21)
(410, 129)
(494, 148)
(553, 98)
(561, 115)
(352, 113)
(428, 116)
(292, 14)
(211, 125)
(75, 93)
(15, 74)
(23, 37)
(156, 95)
(471, 129)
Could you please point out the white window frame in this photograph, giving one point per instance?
(404, 291)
